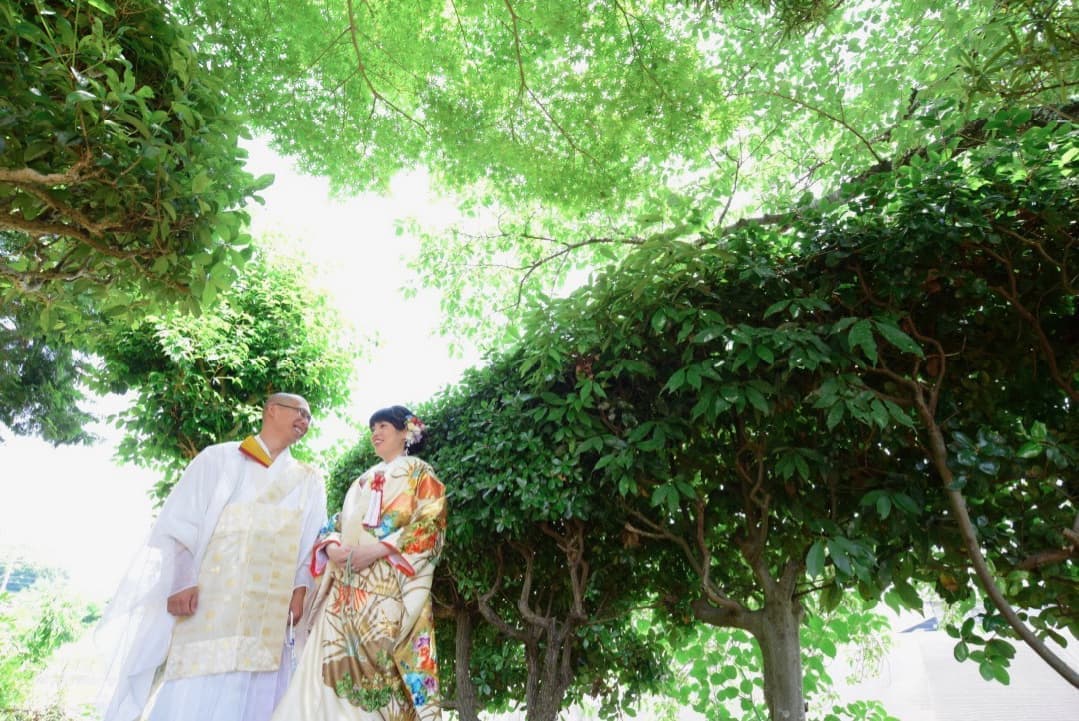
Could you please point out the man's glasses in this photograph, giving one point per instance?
(304, 413)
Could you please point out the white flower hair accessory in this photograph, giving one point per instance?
(414, 430)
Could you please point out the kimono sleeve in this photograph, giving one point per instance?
(418, 543)
(328, 535)
(183, 516)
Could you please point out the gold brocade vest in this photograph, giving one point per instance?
(245, 585)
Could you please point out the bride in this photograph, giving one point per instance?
(371, 655)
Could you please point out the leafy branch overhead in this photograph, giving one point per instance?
(122, 188)
(617, 120)
(121, 181)
(199, 380)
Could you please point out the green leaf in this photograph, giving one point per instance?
(756, 399)
(776, 308)
(659, 321)
(827, 647)
(201, 183)
(80, 96)
(898, 338)
(905, 503)
(102, 6)
(835, 415)
(815, 559)
(838, 555)
(1000, 648)
(1030, 449)
(262, 182)
(861, 336)
(676, 381)
(908, 595)
(709, 334)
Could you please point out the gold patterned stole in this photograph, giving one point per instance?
(245, 584)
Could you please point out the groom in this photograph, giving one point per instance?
(203, 619)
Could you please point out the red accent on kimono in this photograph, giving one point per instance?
(399, 562)
(318, 553)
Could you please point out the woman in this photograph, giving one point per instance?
(371, 650)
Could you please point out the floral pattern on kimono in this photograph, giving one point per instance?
(375, 628)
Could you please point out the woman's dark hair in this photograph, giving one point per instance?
(397, 416)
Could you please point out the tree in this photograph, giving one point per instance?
(33, 624)
(39, 382)
(121, 186)
(807, 407)
(534, 592)
(719, 670)
(787, 390)
(202, 379)
(585, 130)
(120, 173)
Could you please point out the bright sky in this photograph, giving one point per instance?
(73, 508)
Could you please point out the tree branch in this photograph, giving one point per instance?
(939, 456)
(834, 119)
(1011, 294)
(524, 88)
(489, 614)
(29, 176)
(375, 94)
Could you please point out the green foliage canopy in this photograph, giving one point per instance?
(120, 175)
(586, 129)
(121, 186)
(200, 380)
(811, 393)
(807, 406)
(39, 391)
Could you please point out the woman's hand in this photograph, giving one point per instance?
(362, 556)
(367, 555)
(338, 553)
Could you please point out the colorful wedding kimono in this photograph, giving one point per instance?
(370, 655)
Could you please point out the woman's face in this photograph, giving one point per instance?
(389, 442)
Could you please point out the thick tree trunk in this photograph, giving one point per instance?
(548, 677)
(776, 629)
(544, 705)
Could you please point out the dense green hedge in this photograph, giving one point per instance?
(767, 400)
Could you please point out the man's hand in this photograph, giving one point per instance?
(295, 606)
(185, 602)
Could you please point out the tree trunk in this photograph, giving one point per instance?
(776, 629)
(467, 707)
(549, 673)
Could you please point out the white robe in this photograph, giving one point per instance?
(136, 627)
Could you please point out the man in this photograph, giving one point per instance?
(203, 618)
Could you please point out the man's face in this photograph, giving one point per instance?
(291, 417)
